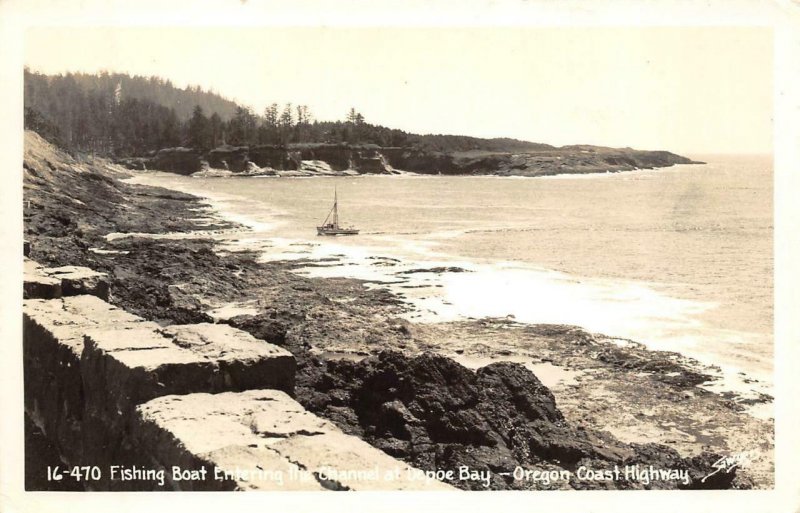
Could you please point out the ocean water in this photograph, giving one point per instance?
(678, 258)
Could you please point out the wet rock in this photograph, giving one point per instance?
(436, 414)
(662, 364)
(519, 387)
(262, 326)
(436, 270)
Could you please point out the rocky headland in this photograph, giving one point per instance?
(318, 158)
(420, 394)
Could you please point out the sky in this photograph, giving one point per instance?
(687, 89)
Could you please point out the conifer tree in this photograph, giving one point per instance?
(198, 130)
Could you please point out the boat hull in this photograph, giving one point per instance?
(336, 231)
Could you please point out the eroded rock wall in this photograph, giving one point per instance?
(184, 161)
(274, 157)
(233, 158)
(373, 159)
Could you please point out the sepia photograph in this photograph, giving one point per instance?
(397, 258)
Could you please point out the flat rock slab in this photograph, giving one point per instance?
(64, 321)
(245, 362)
(128, 367)
(264, 440)
(119, 351)
(80, 280)
(123, 368)
(49, 283)
(37, 284)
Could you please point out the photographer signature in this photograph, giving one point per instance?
(728, 463)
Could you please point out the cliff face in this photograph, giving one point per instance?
(371, 159)
(183, 161)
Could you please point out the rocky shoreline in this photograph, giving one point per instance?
(342, 159)
(395, 384)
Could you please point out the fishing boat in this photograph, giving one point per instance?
(330, 226)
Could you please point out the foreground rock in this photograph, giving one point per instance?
(635, 394)
(262, 440)
(244, 362)
(89, 364)
(52, 347)
(436, 414)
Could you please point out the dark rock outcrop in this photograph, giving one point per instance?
(183, 161)
(373, 159)
(436, 414)
(420, 161)
(274, 157)
(338, 156)
(234, 158)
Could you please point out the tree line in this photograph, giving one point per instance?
(109, 115)
(290, 124)
(119, 115)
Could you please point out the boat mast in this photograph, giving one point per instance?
(335, 209)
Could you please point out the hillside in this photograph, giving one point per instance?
(122, 115)
(115, 114)
(148, 122)
(40, 89)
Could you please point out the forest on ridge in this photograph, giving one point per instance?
(119, 115)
